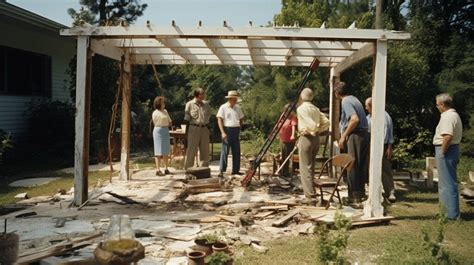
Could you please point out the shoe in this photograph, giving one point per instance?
(392, 197)
(237, 173)
(167, 172)
(220, 175)
(309, 201)
(159, 173)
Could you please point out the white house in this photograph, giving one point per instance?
(33, 63)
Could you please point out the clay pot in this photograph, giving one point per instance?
(8, 248)
(220, 247)
(119, 256)
(202, 245)
(196, 258)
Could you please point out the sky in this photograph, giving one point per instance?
(161, 12)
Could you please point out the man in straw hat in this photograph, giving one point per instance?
(229, 118)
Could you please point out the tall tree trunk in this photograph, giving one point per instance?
(102, 12)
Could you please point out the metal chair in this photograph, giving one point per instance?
(343, 162)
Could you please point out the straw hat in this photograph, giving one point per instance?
(232, 94)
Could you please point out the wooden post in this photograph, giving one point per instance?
(125, 127)
(373, 206)
(81, 143)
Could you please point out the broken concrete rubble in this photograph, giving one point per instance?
(166, 222)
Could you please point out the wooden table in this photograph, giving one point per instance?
(179, 140)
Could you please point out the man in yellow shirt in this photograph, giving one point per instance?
(311, 122)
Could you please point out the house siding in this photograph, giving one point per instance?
(20, 35)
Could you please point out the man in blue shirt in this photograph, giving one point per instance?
(387, 177)
(354, 141)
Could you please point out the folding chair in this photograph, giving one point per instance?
(343, 164)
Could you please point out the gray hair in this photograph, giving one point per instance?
(446, 99)
(368, 101)
(307, 94)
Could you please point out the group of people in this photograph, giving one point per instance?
(309, 124)
(197, 114)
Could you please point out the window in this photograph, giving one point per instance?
(24, 72)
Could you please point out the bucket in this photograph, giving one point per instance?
(8, 248)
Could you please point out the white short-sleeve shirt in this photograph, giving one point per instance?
(231, 116)
(449, 123)
(161, 118)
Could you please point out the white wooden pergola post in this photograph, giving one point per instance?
(81, 143)
(126, 108)
(373, 206)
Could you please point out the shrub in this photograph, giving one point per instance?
(332, 243)
(52, 126)
(219, 258)
(5, 144)
(435, 246)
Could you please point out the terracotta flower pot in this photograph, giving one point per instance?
(196, 258)
(202, 245)
(220, 246)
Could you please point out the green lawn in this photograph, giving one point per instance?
(401, 242)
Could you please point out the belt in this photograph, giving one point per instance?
(199, 125)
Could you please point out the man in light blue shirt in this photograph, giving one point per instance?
(354, 141)
(387, 177)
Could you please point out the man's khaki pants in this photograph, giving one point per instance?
(198, 138)
(308, 147)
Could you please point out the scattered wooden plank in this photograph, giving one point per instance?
(55, 250)
(210, 219)
(282, 221)
(125, 199)
(181, 238)
(23, 195)
(303, 228)
(289, 202)
(276, 208)
(372, 220)
(259, 248)
(264, 214)
(228, 218)
(467, 193)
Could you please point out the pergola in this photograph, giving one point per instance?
(338, 49)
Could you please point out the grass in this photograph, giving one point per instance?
(64, 181)
(400, 242)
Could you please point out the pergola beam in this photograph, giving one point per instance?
(237, 33)
(288, 55)
(106, 49)
(214, 50)
(364, 52)
(252, 55)
(174, 49)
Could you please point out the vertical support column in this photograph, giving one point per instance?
(373, 206)
(335, 113)
(82, 123)
(126, 105)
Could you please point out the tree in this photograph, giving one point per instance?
(110, 12)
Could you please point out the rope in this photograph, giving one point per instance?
(156, 75)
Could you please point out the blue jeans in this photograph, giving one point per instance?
(232, 142)
(447, 183)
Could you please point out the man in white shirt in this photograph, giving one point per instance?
(446, 140)
(229, 118)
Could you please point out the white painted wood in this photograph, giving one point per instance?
(167, 44)
(228, 62)
(236, 32)
(214, 51)
(80, 175)
(125, 125)
(104, 48)
(373, 206)
(364, 52)
(241, 44)
(252, 55)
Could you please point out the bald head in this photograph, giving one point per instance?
(307, 94)
(368, 105)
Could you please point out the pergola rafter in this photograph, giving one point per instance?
(338, 49)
